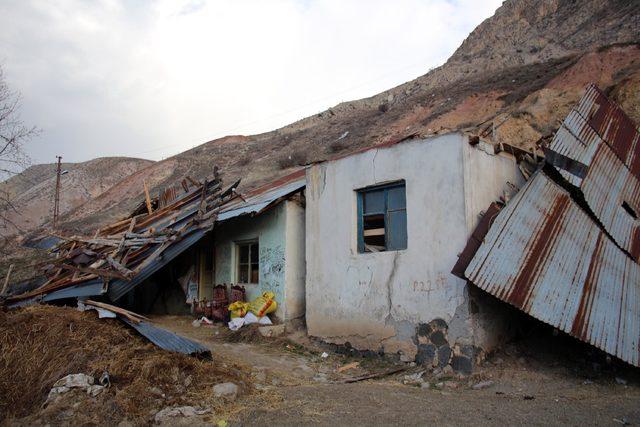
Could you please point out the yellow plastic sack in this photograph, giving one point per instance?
(238, 309)
(264, 304)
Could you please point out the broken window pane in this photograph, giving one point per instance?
(383, 218)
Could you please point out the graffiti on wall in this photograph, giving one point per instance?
(271, 267)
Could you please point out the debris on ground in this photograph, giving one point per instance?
(482, 385)
(47, 343)
(167, 414)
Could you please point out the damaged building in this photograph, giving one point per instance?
(565, 250)
(418, 247)
(383, 228)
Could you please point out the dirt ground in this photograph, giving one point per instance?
(544, 380)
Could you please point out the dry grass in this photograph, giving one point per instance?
(42, 344)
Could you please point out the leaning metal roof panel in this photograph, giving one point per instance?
(595, 150)
(547, 257)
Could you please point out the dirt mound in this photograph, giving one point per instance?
(42, 344)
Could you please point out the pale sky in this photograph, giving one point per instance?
(153, 78)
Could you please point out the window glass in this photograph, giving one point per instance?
(397, 230)
(396, 198)
(248, 264)
(374, 202)
(382, 221)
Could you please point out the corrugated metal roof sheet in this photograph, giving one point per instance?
(599, 136)
(258, 202)
(547, 257)
(167, 339)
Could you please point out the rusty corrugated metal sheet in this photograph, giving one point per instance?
(547, 257)
(610, 122)
(599, 136)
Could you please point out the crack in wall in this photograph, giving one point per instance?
(389, 284)
(375, 154)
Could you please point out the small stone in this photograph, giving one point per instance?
(324, 355)
(444, 355)
(425, 385)
(587, 382)
(451, 384)
(438, 339)
(156, 391)
(447, 370)
(260, 376)
(439, 385)
(271, 331)
(196, 323)
(412, 364)
(94, 390)
(321, 378)
(227, 391)
(179, 411)
(621, 381)
(482, 385)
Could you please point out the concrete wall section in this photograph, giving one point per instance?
(377, 300)
(295, 265)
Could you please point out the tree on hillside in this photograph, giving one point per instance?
(14, 134)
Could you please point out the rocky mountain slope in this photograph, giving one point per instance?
(32, 191)
(515, 76)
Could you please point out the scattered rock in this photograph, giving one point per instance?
(320, 377)
(447, 370)
(227, 391)
(413, 379)
(75, 381)
(451, 384)
(94, 390)
(439, 385)
(587, 382)
(324, 355)
(179, 411)
(482, 385)
(621, 381)
(156, 391)
(271, 331)
(196, 323)
(260, 376)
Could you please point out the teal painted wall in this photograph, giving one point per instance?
(270, 230)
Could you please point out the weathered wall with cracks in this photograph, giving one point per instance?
(381, 301)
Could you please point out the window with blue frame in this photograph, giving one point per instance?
(382, 218)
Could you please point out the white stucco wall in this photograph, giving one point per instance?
(376, 300)
(295, 264)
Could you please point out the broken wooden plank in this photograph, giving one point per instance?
(372, 376)
(147, 197)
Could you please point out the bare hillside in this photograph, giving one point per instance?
(32, 191)
(517, 73)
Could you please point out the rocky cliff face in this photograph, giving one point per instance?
(516, 74)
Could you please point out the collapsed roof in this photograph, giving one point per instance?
(122, 255)
(565, 249)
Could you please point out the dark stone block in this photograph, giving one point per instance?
(462, 364)
(424, 330)
(444, 354)
(439, 324)
(426, 354)
(468, 350)
(438, 339)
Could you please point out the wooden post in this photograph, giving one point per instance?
(147, 197)
(6, 280)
